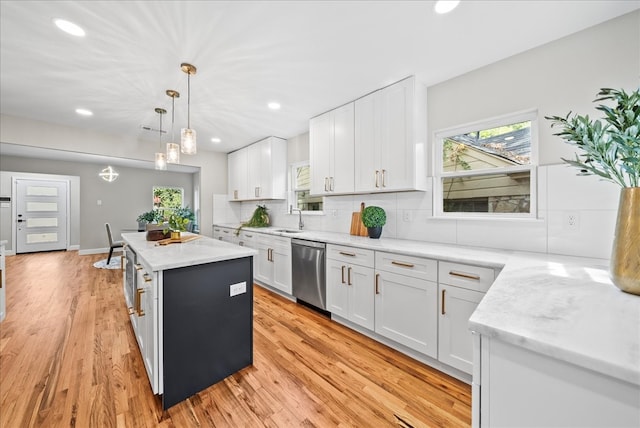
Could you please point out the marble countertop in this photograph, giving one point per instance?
(199, 251)
(560, 306)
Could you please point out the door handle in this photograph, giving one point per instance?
(384, 172)
(464, 275)
(377, 173)
(377, 283)
(442, 309)
(349, 276)
(342, 274)
(331, 184)
(140, 311)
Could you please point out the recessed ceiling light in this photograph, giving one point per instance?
(216, 140)
(69, 27)
(445, 6)
(274, 105)
(84, 112)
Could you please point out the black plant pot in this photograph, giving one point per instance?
(374, 232)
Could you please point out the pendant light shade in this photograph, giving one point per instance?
(173, 149)
(188, 135)
(161, 158)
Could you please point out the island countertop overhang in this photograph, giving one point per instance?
(196, 252)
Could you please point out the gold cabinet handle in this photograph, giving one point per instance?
(131, 310)
(443, 292)
(138, 266)
(377, 283)
(331, 184)
(147, 278)
(377, 173)
(384, 172)
(140, 311)
(325, 183)
(347, 254)
(465, 275)
(249, 236)
(225, 231)
(403, 264)
(349, 276)
(0, 278)
(122, 262)
(342, 269)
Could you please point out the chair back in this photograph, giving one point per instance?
(109, 234)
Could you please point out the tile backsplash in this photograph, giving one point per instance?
(590, 203)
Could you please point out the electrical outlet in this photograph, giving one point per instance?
(239, 288)
(571, 221)
(407, 215)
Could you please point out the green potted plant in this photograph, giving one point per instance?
(610, 149)
(373, 219)
(260, 218)
(187, 213)
(153, 216)
(176, 224)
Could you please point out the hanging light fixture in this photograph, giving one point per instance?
(173, 149)
(161, 158)
(188, 135)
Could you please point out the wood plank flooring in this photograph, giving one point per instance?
(68, 358)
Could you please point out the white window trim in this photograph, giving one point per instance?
(291, 191)
(521, 116)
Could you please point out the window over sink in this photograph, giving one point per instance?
(300, 188)
(487, 169)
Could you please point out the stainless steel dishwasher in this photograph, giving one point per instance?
(308, 272)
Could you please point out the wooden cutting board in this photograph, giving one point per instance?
(177, 241)
(357, 227)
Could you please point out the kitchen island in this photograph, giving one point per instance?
(191, 308)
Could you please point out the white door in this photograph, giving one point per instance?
(41, 215)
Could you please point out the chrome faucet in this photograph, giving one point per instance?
(300, 222)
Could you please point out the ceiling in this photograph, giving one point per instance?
(310, 56)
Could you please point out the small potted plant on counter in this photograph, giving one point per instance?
(149, 217)
(373, 219)
(187, 213)
(260, 218)
(176, 225)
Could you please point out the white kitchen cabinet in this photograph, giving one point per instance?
(273, 265)
(517, 387)
(258, 171)
(406, 305)
(144, 321)
(390, 139)
(3, 289)
(350, 281)
(237, 175)
(461, 288)
(331, 142)
(226, 234)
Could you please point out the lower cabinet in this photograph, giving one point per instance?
(350, 292)
(144, 321)
(405, 311)
(454, 338)
(273, 265)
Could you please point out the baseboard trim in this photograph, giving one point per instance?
(73, 248)
(90, 251)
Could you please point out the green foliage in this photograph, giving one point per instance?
(185, 212)
(177, 223)
(260, 218)
(374, 217)
(453, 151)
(153, 216)
(167, 197)
(611, 147)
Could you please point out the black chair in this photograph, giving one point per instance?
(112, 244)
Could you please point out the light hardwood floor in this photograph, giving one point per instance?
(68, 358)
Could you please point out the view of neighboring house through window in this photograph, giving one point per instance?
(300, 186)
(488, 169)
(167, 198)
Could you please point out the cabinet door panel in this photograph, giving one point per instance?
(264, 269)
(237, 175)
(455, 346)
(342, 156)
(367, 142)
(255, 164)
(281, 270)
(320, 142)
(337, 289)
(396, 141)
(361, 296)
(405, 311)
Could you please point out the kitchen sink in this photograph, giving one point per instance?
(288, 231)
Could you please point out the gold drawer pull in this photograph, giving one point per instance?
(0, 278)
(464, 275)
(347, 254)
(249, 236)
(131, 310)
(147, 278)
(443, 292)
(377, 283)
(138, 267)
(349, 276)
(140, 311)
(342, 269)
(403, 264)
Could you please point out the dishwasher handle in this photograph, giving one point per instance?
(305, 243)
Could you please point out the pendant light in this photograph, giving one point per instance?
(161, 158)
(188, 135)
(173, 149)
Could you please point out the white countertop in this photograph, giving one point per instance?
(560, 306)
(196, 252)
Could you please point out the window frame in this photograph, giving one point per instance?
(438, 175)
(291, 190)
(153, 195)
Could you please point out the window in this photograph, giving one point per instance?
(487, 169)
(167, 198)
(299, 188)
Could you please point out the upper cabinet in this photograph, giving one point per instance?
(390, 139)
(258, 171)
(331, 140)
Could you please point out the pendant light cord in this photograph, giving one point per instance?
(189, 100)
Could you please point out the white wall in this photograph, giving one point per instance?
(555, 78)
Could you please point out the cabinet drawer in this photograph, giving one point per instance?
(466, 276)
(351, 255)
(407, 265)
(280, 243)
